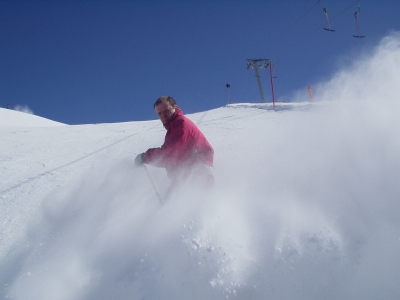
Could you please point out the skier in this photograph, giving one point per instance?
(186, 153)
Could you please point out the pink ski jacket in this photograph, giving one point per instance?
(184, 146)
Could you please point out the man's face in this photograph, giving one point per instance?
(165, 111)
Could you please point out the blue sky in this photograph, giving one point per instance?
(81, 62)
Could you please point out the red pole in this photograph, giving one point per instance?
(358, 30)
(327, 20)
(272, 84)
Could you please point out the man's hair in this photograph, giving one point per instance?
(164, 99)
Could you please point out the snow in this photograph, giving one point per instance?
(305, 206)
(13, 118)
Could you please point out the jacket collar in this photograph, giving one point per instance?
(178, 112)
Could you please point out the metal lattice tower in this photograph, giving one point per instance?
(255, 64)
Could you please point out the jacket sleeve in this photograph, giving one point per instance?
(170, 152)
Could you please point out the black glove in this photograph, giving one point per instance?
(139, 160)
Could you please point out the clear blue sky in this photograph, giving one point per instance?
(83, 61)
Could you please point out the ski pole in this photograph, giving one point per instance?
(152, 183)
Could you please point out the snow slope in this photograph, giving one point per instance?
(12, 118)
(305, 206)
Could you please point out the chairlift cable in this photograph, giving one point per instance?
(307, 36)
(345, 10)
(291, 26)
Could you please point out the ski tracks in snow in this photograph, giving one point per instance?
(27, 154)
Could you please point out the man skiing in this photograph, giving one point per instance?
(186, 153)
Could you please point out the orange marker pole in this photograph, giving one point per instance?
(310, 92)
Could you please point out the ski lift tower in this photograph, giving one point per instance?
(255, 64)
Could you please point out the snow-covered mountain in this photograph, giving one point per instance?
(305, 206)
